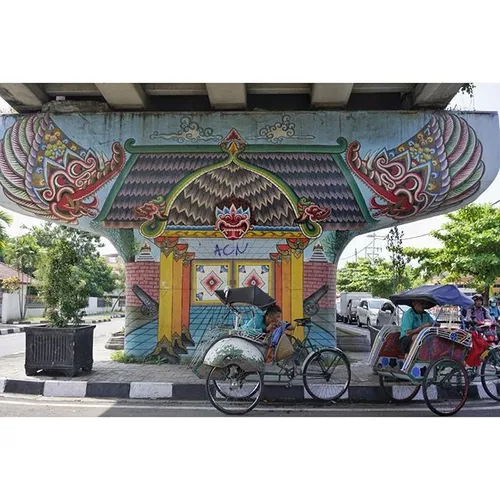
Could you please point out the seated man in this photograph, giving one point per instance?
(267, 321)
(477, 313)
(270, 323)
(414, 321)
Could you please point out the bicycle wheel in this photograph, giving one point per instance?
(234, 391)
(327, 374)
(445, 387)
(490, 374)
(221, 387)
(399, 391)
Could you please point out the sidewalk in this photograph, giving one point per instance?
(111, 379)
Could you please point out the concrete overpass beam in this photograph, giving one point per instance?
(330, 95)
(124, 95)
(227, 95)
(23, 96)
(430, 95)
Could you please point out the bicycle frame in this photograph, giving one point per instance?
(303, 349)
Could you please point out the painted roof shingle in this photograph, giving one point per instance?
(311, 175)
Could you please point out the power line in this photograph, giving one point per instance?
(356, 252)
(414, 237)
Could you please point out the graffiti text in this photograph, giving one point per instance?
(230, 250)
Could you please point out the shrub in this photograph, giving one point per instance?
(63, 285)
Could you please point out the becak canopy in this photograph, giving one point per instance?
(251, 295)
(434, 295)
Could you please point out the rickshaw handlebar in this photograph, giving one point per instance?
(303, 321)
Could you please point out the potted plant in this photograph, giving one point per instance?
(64, 344)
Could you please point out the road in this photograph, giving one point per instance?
(14, 343)
(39, 406)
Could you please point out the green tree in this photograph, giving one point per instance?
(100, 276)
(429, 266)
(366, 276)
(119, 277)
(471, 247)
(63, 284)
(5, 220)
(93, 267)
(23, 253)
(398, 258)
(85, 243)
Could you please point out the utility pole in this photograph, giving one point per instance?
(372, 250)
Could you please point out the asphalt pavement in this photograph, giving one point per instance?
(39, 406)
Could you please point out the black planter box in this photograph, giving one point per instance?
(64, 350)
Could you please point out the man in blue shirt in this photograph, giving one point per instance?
(414, 321)
(266, 321)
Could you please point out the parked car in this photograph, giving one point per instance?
(348, 303)
(337, 310)
(387, 316)
(367, 311)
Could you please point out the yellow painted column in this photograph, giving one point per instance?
(166, 296)
(297, 289)
(177, 296)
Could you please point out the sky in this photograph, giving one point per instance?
(486, 98)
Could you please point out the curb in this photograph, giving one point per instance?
(109, 318)
(26, 322)
(191, 392)
(7, 331)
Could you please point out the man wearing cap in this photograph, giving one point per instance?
(477, 313)
(414, 321)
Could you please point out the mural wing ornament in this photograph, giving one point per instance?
(49, 175)
(438, 167)
(149, 305)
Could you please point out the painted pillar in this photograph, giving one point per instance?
(297, 285)
(186, 293)
(177, 296)
(142, 289)
(166, 297)
(278, 292)
(317, 274)
(286, 281)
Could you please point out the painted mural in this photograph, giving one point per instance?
(238, 199)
